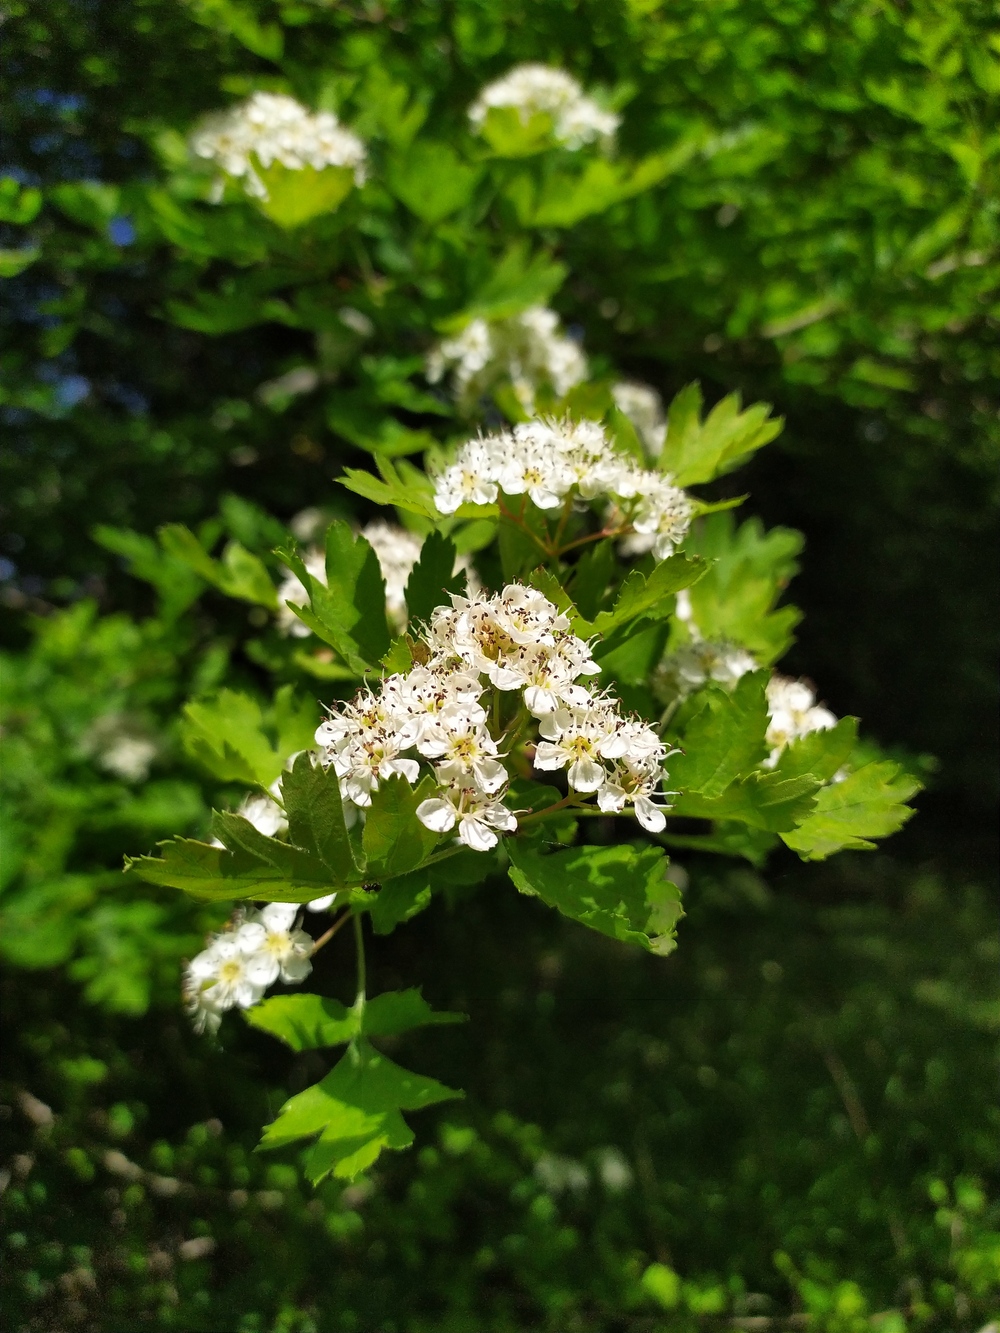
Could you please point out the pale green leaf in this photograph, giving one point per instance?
(867, 804)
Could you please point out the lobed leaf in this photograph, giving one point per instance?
(394, 839)
(723, 739)
(697, 451)
(236, 740)
(355, 1111)
(621, 891)
(432, 577)
(311, 796)
(307, 1022)
(867, 804)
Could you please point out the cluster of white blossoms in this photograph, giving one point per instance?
(792, 714)
(257, 949)
(515, 641)
(535, 90)
(397, 551)
(694, 664)
(272, 127)
(551, 461)
(528, 349)
(644, 408)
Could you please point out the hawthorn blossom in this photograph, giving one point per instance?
(553, 461)
(272, 127)
(793, 713)
(432, 720)
(527, 349)
(694, 664)
(274, 948)
(539, 90)
(644, 408)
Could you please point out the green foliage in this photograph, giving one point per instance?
(799, 208)
(748, 572)
(697, 451)
(356, 1111)
(868, 803)
(620, 891)
(233, 737)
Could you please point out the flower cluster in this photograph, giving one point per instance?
(257, 949)
(644, 408)
(274, 128)
(528, 349)
(515, 641)
(792, 713)
(539, 90)
(551, 461)
(397, 551)
(694, 664)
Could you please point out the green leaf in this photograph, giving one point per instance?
(564, 197)
(394, 839)
(13, 262)
(431, 179)
(432, 577)
(399, 658)
(518, 281)
(176, 583)
(645, 595)
(297, 196)
(399, 899)
(216, 874)
(696, 451)
(355, 1111)
(413, 494)
(311, 796)
(307, 1022)
(867, 804)
(234, 739)
(620, 891)
(348, 611)
(19, 204)
(820, 754)
(728, 839)
(239, 574)
(749, 570)
(723, 739)
(766, 801)
(294, 864)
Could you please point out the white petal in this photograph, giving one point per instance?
(611, 798)
(437, 815)
(475, 834)
(251, 936)
(649, 815)
(586, 775)
(321, 904)
(262, 971)
(278, 916)
(548, 756)
(294, 970)
(490, 774)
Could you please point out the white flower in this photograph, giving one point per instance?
(464, 749)
(273, 947)
(694, 664)
(218, 979)
(554, 460)
(644, 408)
(578, 739)
(322, 904)
(527, 349)
(541, 90)
(477, 813)
(119, 745)
(272, 127)
(793, 713)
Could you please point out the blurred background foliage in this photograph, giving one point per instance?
(796, 1113)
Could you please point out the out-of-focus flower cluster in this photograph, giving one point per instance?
(434, 716)
(528, 349)
(272, 127)
(539, 90)
(644, 408)
(793, 713)
(551, 461)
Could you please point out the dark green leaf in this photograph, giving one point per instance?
(311, 795)
(432, 578)
(395, 841)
